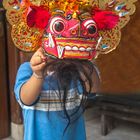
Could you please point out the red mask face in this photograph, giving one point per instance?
(68, 37)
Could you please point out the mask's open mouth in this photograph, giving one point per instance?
(78, 48)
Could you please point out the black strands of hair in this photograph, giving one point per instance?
(78, 72)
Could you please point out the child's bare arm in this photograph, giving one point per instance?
(31, 89)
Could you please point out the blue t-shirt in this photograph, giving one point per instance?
(45, 119)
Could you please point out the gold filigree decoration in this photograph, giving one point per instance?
(26, 38)
(111, 38)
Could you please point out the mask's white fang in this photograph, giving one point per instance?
(99, 40)
(51, 41)
(60, 51)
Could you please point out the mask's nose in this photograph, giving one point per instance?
(72, 29)
(75, 30)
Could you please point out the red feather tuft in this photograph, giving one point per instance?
(105, 19)
(38, 17)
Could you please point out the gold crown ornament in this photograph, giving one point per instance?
(80, 29)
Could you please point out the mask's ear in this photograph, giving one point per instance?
(105, 20)
(38, 17)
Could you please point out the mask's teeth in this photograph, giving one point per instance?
(60, 51)
(51, 41)
(68, 48)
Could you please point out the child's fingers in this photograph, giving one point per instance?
(40, 52)
(43, 58)
(39, 66)
(36, 60)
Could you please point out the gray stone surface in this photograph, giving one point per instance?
(17, 131)
(124, 130)
(8, 138)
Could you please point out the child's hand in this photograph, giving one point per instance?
(38, 62)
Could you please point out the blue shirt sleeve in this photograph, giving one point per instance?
(23, 75)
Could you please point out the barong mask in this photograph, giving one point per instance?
(80, 29)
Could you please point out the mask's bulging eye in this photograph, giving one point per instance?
(90, 27)
(58, 26)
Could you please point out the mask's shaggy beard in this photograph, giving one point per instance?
(78, 72)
